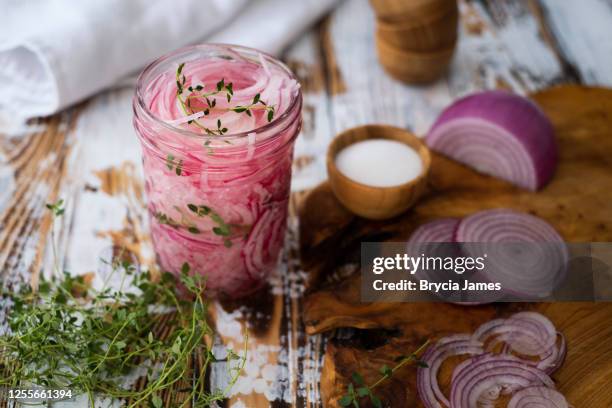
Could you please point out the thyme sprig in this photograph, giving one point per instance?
(256, 104)
(184, 223)
(221, 229)
(57, 210)
(186, 94)
(177, 166)
(68, 335)
(357, 389)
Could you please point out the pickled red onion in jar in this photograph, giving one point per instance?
(217, 125)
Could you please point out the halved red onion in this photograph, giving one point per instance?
(543, 397)
(498, 133)
(523, 252)
(427, 377)
(483, 379)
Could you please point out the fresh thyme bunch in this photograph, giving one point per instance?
(67, 335)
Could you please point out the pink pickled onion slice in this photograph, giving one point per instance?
(186, 119)
(524, 253)
(498, 133)
(265, 240)
(427, 381)
(483, 379)
(542, 397)
(249, 78)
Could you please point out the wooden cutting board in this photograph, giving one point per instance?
(578, 203)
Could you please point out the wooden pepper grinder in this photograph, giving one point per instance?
(416, 39)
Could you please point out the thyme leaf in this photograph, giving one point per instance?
(221, 88)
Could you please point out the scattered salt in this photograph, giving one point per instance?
(379, 162)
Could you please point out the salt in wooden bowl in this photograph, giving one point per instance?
(371, 202)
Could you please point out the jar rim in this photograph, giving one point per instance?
(140, 84)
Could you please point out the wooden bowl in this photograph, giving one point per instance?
(376, 203)
(402, 10)
(436, 33)
(413, 67)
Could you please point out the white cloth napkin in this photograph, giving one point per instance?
(271, 25)
(54, 53)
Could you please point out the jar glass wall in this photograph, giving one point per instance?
(218, 200)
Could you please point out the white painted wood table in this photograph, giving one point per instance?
(90, 156)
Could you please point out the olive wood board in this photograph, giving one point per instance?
(577, 202)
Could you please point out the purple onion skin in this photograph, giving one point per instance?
(517, 115)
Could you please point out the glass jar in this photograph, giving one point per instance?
(218, 201)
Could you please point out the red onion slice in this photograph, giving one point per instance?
(552, 359)
(484, 378)
(543, 397)
(524, 253)
(522, 335)
(427, 377)
(440, 230)
(500, 134)
(552, 363)
(543, 331)
(528, 334)
(436, 238)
